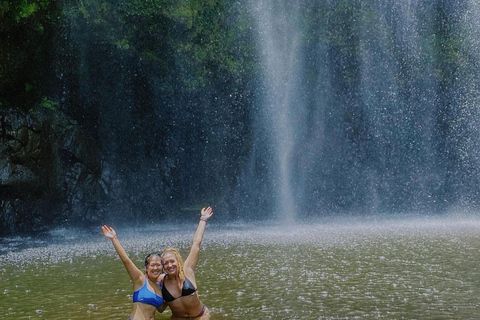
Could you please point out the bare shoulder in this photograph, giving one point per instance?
(160, 279)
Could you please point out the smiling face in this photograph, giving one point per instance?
(173, 263)
(154, 267)
(170, 264)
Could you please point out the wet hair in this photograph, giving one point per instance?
(178, 257)
(150, 255)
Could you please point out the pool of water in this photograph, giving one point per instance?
(365, 269)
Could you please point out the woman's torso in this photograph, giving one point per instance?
(146, 300)
(142, 311)
(185, 302)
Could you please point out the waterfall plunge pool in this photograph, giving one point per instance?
(407, 268)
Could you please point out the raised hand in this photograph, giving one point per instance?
(108, 232)
(206, 213)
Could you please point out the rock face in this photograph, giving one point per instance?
(50, 172)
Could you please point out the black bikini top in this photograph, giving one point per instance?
(187, 289)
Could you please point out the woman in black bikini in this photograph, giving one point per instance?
(179, 286)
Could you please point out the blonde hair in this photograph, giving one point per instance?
(178, 257)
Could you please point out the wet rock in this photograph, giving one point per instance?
(49, 172)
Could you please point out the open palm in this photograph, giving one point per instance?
(108, 232)
(206, 213)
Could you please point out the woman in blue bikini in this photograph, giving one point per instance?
(147, 296)
(179, 286)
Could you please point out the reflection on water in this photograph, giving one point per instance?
(400, 269)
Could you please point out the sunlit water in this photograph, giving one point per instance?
(364, 269)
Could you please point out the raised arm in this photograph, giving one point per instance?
(135, 274)
(192, 259)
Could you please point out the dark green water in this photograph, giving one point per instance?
(398, 269)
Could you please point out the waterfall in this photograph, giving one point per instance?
(279, 41)
(367, 106)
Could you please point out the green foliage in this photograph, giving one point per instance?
(23, 9)
(122, 44)
(4, 7)
(29, 87)
(149, 55)
(26, 10)
(26, 31)
(48, 104)
(197, 40)
(145, 8)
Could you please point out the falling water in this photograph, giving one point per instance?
(368, 106)
(279, 41)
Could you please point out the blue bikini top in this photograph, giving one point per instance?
(146, 296)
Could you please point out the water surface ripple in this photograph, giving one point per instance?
(366, 269)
